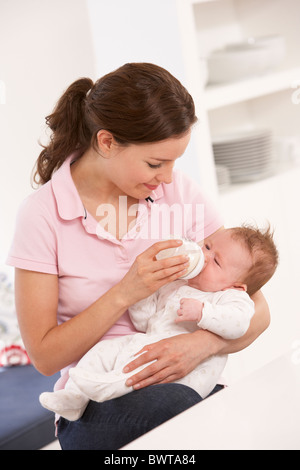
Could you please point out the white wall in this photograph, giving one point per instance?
(136, 31)
(44, 46)
(270, 200)
(141, 31)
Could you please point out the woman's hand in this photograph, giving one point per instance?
(147, 274)
(174, 358)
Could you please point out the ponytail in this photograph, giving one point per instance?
(138, 103)
(69, 131)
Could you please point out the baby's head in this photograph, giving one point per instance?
(237, 258)
(264, 255)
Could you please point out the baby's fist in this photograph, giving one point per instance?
(190, 310)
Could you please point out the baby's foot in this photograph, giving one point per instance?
(68, 405)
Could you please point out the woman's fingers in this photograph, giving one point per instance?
(161, 269)
(154, 249)
(152, 374)
(166, 270)
(165, 376)
(145, 258)
(165, 359)
(147, 274)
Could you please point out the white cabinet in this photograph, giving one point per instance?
(266, 101)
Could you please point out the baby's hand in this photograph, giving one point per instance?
(190, 310)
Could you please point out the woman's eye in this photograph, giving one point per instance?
(154, 166)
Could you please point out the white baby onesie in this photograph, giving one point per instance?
(98, 375)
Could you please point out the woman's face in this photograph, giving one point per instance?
(138, 169)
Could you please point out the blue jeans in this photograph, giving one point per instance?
(114, 423)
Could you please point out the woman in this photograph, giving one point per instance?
(81, 260)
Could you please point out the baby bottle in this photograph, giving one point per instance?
(192, 250)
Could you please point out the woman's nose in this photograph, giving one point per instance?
(166, 176)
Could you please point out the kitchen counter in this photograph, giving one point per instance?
(262, 411)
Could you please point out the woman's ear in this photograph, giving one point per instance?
(105, 141)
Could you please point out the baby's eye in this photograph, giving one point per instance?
(154, 166)
(216, 261)
(207, 247)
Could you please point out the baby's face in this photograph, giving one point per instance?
(226, 262)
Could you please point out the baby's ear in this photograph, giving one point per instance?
(237, 286)
(240, 286)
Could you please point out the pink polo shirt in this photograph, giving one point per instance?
(54, 234)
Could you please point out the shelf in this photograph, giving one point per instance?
(217, 96)
(282, 174)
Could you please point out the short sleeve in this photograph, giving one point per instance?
(34, 243)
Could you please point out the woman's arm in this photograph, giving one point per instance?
(49, 346)
(177, 356)
(259, 323)
(52, 347)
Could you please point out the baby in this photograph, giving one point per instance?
(238, 262)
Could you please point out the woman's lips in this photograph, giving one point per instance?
(151, 187)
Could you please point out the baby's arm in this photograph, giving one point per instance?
(228, 317)
(142, 311)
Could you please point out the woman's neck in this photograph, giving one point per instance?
(90, 179)
(95, 188)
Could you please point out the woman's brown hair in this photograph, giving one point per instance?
(137, 103)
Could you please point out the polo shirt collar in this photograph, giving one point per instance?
(158, 193)
(68, 201)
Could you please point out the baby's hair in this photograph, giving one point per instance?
(264, 255)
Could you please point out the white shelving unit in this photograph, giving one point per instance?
(265, 101)
(210, 24)
(218, 96)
